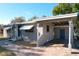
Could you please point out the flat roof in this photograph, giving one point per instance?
(49, 18)
(58, 17)
(53, 17)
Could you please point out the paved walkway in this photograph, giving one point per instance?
(35, 51)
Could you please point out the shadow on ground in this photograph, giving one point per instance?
(32, 54)
(56, 43)
(75, 52)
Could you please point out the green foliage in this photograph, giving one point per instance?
(44, 16)
(77, 22)
(18, 20)
(65, 8)
(33, 18)
(56, 10)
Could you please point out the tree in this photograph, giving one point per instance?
(56, 10)
(33, 18)
(18, 20)
(77, 23)
(65, 8)
(44, 16)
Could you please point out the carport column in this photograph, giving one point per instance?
(71, 33)
(5, 33)
(16, 32)
(37, 35)
(11, 32)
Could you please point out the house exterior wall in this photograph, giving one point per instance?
(54, 32)
(1, 32)
(9, 33)
(57, 32)
(5, 33)
(29, 36)
(45, 36)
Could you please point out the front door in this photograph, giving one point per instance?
(62, 34)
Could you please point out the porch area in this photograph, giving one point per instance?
(61, 34)
(56, 33)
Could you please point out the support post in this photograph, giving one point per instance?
(5, 33)
(11, 32)
(71, 33)
(37, 35)
(16, 32)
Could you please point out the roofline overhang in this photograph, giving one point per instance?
(48, 18)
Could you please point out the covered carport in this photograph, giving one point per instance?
(69, 18)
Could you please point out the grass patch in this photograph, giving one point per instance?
(1, 36)
(25, 43)
(3, 39)
(5, 52)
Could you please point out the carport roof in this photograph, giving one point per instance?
(58, 17)
(53, 17)
(49, 18)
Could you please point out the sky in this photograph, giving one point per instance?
(10, 10)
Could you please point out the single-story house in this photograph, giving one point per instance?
(42, 30)
(1, 31)
(5, 31)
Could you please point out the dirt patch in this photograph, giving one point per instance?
(22, 49)
(56, 51)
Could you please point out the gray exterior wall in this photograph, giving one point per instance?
(45, 36)
(9, 33)
(57, 32)
(53, 33)
(29, 36)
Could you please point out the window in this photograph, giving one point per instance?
(47, 28)
(1, 31)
